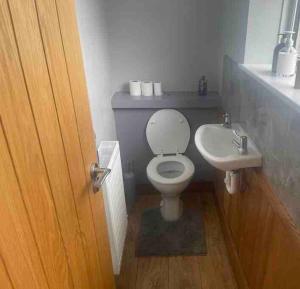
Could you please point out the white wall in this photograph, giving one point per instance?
(234, 28)
(94, 42)
(172, 41)
(262, 30)
(249, 29)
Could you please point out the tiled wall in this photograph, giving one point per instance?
(273, 125)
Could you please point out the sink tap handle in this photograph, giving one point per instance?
(236, 133)
(241, 141)
(244, 144)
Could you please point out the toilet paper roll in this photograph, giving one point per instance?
(147, 88)
(135, 88)
(157, 89)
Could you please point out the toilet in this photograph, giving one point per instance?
(170, 172)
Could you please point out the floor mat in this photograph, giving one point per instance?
(185, 237)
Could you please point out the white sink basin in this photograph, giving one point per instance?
(214, 142)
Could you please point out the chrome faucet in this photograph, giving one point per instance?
(241, 142)
(227, 120)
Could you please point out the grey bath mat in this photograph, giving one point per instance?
(184, 237)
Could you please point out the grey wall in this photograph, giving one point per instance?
(249, 30)
(94, 41)
(274, 126)
(131, 128)
(172, 41)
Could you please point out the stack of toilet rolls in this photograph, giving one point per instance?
(145, 88)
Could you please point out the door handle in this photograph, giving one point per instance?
(98, 176)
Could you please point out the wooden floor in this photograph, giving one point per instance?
(197, 272)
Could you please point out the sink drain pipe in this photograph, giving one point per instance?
(232, 181)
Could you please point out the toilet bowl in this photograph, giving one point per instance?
(170, 172)
(170, 175)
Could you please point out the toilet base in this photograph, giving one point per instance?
(171, 208)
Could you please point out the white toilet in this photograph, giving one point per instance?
(170, 172)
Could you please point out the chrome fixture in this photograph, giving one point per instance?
(241, 142)
(98, 176)
(227, 120)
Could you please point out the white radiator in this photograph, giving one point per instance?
(114, 200)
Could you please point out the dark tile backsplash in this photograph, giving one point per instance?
(273, 125)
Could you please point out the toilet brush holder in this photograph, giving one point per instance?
(130, 185)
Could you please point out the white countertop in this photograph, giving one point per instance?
(283, 87)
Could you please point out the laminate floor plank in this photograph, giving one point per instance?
(152, 273)
(216, 271)
(212, 271)
(184, 272)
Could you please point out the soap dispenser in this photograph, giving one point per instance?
(202, 89)
(280, 45)
(287, 58)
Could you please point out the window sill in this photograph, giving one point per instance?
(283, 87)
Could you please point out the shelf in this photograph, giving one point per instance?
(282, 87)
(123, 100)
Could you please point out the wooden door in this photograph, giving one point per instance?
(52, 226)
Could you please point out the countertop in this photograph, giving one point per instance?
(280, 86)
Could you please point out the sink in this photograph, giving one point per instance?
(214, 142)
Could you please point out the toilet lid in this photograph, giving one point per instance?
(168, 132)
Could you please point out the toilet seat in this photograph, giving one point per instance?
(168, 132)
(188, 170)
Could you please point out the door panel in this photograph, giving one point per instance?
(71, 44)
(45, 115)
(17, 245)
(4, 279)
(38, 84)
(19, 125)
(53, 46)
